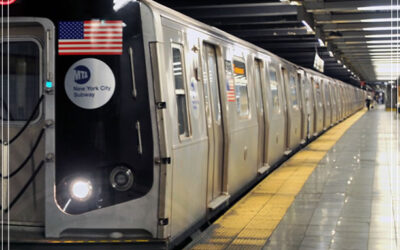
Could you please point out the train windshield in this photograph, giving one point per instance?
(21, 80)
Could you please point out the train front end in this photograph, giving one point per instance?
(78, 109)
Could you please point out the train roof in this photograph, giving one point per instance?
(177, 16)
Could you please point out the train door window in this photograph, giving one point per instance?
(293, 90)
(258, 80)
(20, 92)
(307, 104)
(180, 91)
(274, 89)
(327, 97)
(333, 94)
(242, 99)
(213, 79)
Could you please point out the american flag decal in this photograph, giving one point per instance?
(92, 37)
(230, 91)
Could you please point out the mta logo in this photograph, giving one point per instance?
(82, 74)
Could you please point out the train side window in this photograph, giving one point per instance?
(180, 91)
(242, 99)
(22, 93)
(274, 89)
(293, 90)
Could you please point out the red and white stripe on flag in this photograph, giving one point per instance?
(231, 96)
(94, 37)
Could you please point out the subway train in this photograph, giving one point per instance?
(128, 120)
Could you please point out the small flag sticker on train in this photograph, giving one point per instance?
(230, 91)
(93, 37)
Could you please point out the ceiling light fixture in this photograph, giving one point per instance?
(377, 20)
(321, 43)
(308, 27)
(382, 36)
(379, 28)
(380, 7)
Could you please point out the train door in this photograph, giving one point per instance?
(214, 122)
(260, 112)
(306, 113)
(275, 133)
(285, 77)
(293, 115)
(27, 99)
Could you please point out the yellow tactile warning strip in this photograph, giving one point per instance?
(250, 222)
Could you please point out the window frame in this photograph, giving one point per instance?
(259, 66)
(181, 49)
(272, 68)
(295, 78)
(40, 81)
(242, 60)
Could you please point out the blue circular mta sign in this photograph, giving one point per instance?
(82, 74)
(89, 83)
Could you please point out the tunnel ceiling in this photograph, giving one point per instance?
(352, 37)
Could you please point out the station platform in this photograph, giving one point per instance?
(340, 192)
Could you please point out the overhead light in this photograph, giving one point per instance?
(321, 43)
(379, 28)
(295, 3)
(380, 7)
(377, 20)
(382, 53)
(379, 41)
(348, 70)
(339, 62)
(330, 53)
(291, 2)
(308, 27)
(394, 49)
(344, 66)
(382, 46)
(118, 4)
(382, 36)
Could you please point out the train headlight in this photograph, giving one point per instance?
(81, 189)
(121, 178)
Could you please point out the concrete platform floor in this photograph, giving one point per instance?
(351, 200)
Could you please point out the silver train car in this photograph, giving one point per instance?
(152, 132)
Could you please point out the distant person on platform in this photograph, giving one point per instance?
(368, 102)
